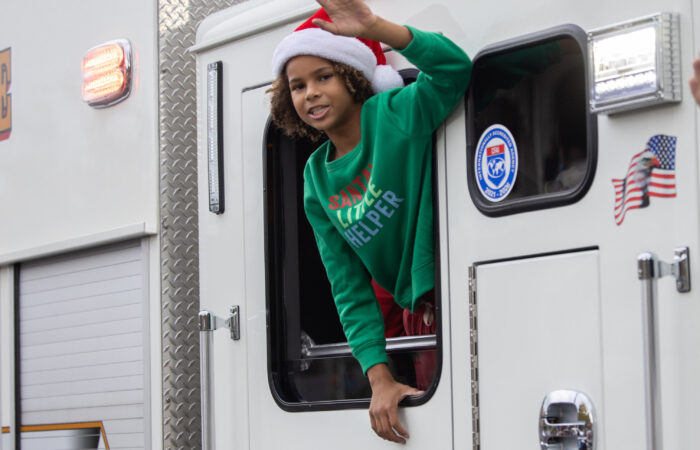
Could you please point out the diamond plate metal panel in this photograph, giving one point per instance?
(177, 24)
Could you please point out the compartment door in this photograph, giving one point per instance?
(83, 352)
(537, 331)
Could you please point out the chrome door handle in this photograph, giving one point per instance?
(567, 421)
(208, 323)
(649, 269)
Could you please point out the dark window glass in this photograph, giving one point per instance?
(302, 313)
(536, 88)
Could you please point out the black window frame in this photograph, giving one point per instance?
(274, 301)
(540, 201)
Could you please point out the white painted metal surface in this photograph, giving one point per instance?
(83, 342)
(231, 246)
(538, 332)
(68, 170)
(232, 255)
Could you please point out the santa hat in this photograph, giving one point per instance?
(362, 54)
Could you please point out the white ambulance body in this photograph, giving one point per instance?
(549, 335)
(121, 222)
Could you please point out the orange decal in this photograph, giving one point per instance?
(5, 430)
(5, 97)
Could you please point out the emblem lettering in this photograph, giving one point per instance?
(496, 163)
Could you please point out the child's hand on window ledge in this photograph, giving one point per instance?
(383, 408)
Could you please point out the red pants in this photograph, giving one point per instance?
(402, 322)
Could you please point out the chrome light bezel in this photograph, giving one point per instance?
(118, 97)
(666, 88)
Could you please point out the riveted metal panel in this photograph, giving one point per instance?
(177, 25)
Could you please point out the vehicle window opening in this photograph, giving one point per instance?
(309, 361)
(535, 87)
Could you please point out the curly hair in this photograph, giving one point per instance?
(285, 116)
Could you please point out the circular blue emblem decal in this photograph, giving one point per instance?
(496, 163)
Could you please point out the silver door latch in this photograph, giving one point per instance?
(567, 421)
(209, 322)
(650, 267)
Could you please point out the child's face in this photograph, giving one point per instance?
(319, 94)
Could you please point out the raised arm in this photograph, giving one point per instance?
(445, 67)
(354, 18)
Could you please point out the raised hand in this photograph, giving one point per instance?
(350, 17)
(354, 18)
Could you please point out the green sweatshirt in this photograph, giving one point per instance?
(372, 210)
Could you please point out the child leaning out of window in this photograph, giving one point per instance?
(368, 188)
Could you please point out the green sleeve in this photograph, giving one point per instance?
(351, 286)
(420, 107)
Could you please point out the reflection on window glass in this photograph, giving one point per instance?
(300, 305)
(340, 378)
(538, 92)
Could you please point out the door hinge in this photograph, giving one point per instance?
(650, 267)
(474, 358)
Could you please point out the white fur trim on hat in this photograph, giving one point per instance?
(385, 78)
(347, 50)
(318, 42)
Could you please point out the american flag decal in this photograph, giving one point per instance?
(651, 173)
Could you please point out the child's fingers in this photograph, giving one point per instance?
(411, 391)
(325, 25)
(334, 7)
(375, 425)
(695, 89)
(338, 4)
(396, 425)
(388, 432)
(696, 68)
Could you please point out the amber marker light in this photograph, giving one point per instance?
(107, 73)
